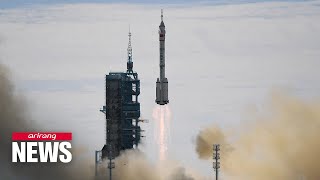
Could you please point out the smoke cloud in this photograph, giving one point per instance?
(209, 136)
(180, 174)
(14, 118)
(133, 165)
(282, 144)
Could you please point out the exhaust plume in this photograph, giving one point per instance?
(281, 145)
(180, 174)
(133, 165)
(162, 116)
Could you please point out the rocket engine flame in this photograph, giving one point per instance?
(162, 116)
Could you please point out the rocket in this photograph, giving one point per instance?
(162, 81)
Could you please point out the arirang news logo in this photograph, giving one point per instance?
(41, 147)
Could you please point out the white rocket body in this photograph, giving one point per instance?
(162, 82)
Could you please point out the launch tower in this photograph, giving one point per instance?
(122, 111)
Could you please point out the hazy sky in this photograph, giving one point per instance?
(21, 3)
(221, 60)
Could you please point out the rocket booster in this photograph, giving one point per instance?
(162, 81)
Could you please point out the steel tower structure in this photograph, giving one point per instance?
(122, 112)
(216, 157)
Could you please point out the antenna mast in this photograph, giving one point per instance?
(216, 157)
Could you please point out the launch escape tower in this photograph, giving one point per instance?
(122, 111)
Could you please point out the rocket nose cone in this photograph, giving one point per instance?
(162, 24)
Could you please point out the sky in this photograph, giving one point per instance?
(23, 3)
(221, 60)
